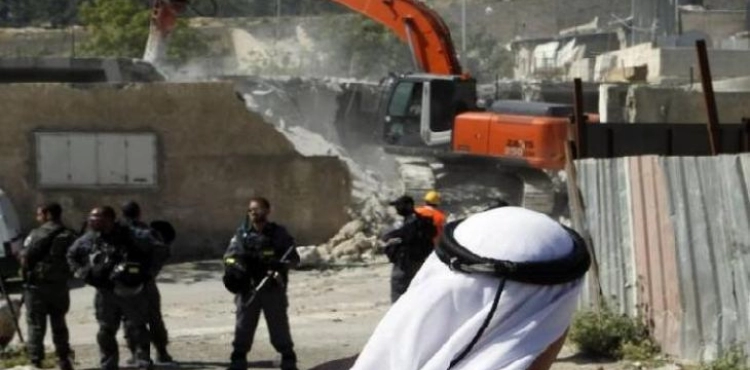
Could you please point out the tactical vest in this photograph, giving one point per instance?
(53, 267)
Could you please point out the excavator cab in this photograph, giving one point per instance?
(420, 108)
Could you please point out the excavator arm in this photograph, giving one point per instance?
(420, 27)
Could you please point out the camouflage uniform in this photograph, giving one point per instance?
(46, 292)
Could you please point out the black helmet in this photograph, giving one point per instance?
(165, 229)
(128, 278)
(235, 278)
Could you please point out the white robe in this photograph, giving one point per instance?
(442, 310)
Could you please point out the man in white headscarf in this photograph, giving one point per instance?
(504, 300)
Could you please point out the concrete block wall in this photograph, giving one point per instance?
(642, 54)
(653, 104)
(718, 24)
(213, 155)
(673, 65)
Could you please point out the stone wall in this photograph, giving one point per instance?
(213, 155)
(672, 65)
(645, 104)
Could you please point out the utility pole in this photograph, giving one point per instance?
(73, 31)
(278, 16)
(463, 27)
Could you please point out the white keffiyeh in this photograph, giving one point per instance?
(442, 310)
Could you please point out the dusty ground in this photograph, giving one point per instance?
(332, 314)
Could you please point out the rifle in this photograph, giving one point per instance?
(262, 283)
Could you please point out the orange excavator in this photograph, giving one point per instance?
(433, 111)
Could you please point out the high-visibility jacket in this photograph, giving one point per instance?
(437, 216)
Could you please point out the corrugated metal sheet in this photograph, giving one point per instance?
(604, 187)
(710, 202)
(653, 241)
(672, 236)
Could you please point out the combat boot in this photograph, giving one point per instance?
(163, 357)
(65, 364)
(289, 361)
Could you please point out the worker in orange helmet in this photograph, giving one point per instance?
(430, 209)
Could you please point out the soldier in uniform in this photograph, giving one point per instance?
(46, 275)
(408, 245)
(117, 261)
(260, 249)
(131, 214)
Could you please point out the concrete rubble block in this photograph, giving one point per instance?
(351, 228)
(309, 256)
(355, 246)
(348, 231)
(324, 253)
(348, 259)
(347, 248)
(373, 251)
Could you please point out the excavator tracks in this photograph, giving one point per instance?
(470, 187)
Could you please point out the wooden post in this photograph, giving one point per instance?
(708, 94)
(580, 120)
(575, 148)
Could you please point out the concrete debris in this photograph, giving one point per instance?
(308, 113)
(309, 256)
(370, 195)
(351, 244)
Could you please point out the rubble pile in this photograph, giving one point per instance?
(356, 241)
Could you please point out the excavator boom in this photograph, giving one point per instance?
(419, 26)
(411, 21)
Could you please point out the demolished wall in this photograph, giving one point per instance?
(334, 118)
(213, 155)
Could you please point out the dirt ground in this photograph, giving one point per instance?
(332, 314)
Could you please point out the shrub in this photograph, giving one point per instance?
(733, 358)
(610, 335)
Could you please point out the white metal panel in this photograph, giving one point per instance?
(53, 158)
(141, 159)
(90, 159)
(111, 155)
(83, 158)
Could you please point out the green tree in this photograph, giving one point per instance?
(366, 48)
(120, 28)
(486, 59)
